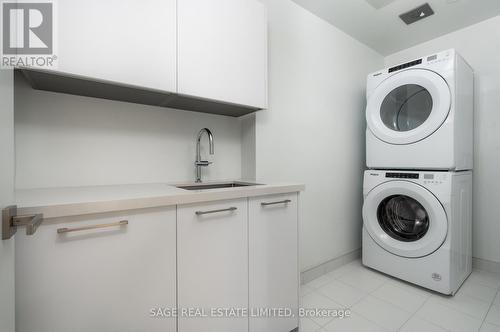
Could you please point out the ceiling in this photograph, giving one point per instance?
(376, 23)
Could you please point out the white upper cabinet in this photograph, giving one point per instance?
(125, 41)
(211, 54)
(222, 50)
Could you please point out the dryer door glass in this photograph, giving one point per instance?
(403, 218)
(406, 107)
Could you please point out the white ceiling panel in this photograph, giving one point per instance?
(383, 30)
(377, 4)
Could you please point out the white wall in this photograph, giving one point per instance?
(248, 137)
(7, 296)
(65, 140)
(480, 46)
(313, 132)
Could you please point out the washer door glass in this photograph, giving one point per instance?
(403, 218)
(406, 107)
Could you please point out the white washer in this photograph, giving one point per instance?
(420, 115)
(417, 226)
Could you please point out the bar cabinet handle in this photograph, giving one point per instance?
(286, 201)
(86, 228)
(200, 213)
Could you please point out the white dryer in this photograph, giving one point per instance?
(420, 115)
(417, 226)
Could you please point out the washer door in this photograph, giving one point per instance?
(408, 106)
(405, 219)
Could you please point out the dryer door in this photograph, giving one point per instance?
(408, 106)
(405, 219)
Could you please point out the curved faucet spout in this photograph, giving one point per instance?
(210, 140)
(200, 163)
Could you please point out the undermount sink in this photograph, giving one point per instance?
(205, 186)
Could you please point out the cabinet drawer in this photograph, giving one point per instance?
(100, 279)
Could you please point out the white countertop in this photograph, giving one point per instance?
(74, 201)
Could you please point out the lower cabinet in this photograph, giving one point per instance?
(212, 265)
(226, 266)
(101, 279)
(273, 262)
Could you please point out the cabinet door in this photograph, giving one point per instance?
(126, 41)
(212, 264)
(105, 279)
(222, 50)
(274, 273)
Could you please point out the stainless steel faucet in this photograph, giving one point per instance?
(201, 163)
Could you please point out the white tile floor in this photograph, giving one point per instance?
(381, 303)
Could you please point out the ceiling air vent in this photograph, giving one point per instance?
(417, 14)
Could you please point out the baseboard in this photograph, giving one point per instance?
(485, 265)
(318, 271)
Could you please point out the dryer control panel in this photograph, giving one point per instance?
(405, 65)
(435, 178)
(393, 175)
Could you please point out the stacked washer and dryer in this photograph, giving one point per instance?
(417, 212)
